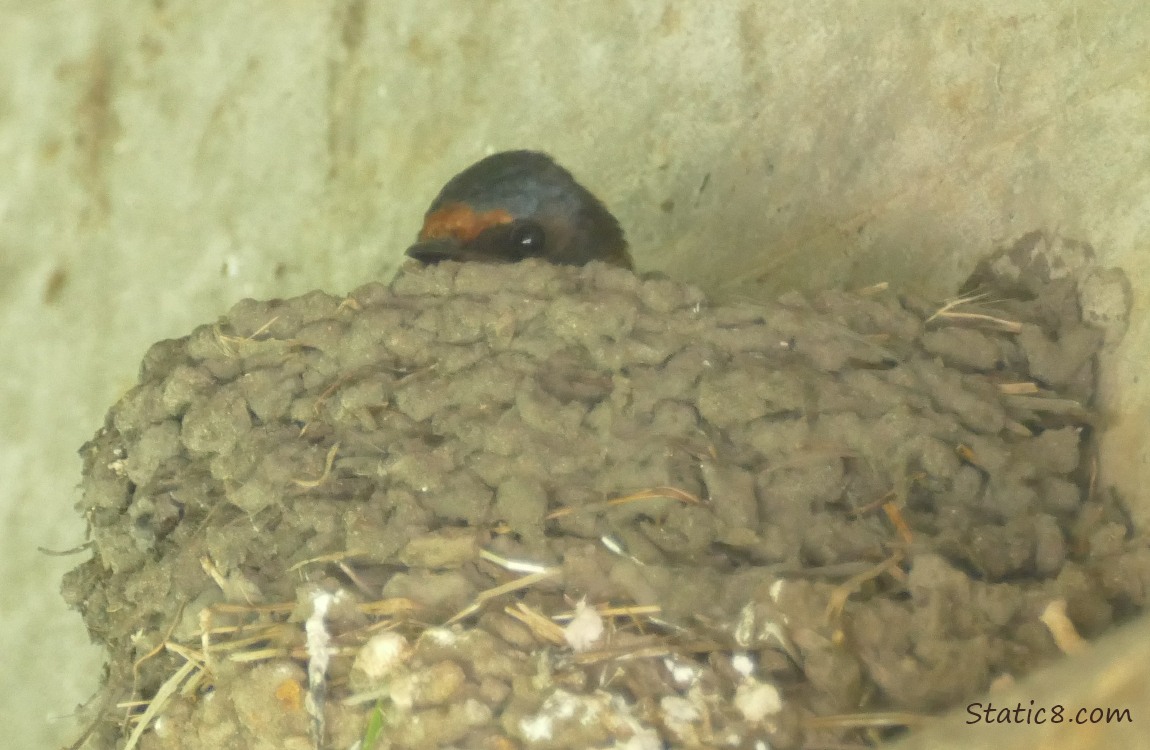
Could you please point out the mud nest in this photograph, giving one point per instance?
(531, 506)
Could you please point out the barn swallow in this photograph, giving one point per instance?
(515, 205)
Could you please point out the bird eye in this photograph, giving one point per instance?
(528, 238)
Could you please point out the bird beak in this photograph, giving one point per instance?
(436, 250)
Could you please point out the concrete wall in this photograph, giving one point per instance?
(159, 161)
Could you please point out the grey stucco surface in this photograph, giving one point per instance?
(160, 161)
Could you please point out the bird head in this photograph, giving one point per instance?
(515, 205)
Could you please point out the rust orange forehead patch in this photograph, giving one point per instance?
(461, 222)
